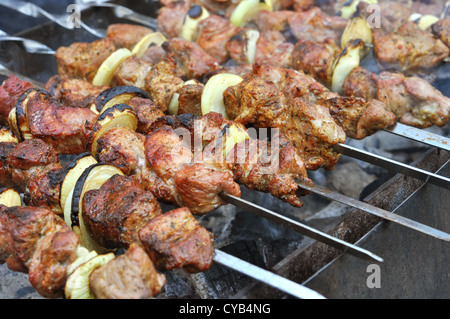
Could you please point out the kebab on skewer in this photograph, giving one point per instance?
(223, 176)
(117, 224)
(35, 241)
(196, 89)
(326, 61)
(169, 92)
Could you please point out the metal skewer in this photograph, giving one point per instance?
(30, 46)
(384, 214)
(420, 136)
(126, 13)
(392, 165)
(32, 10)
(301, 228)
(265, 276)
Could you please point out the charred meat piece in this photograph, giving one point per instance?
(315, 25)
(316, 59)
(33, 168)
(359, 118)
(82, 60)
(154, 54)
(129, 276)
(255, 164)
(5, 173)
(114, 213)
(10, 91)
(123, 148)
(23, 160)
(360, 83)
(126, 35)
(274, 21)
(409, 50)
(147, 112)
(24, 228)
(162, 82)
(271, 167)
(67, 129)
(294, 84)
(194, 185)
(190, 99)
(132, 71)
(73, 92)
(48, 267)
(413, 100)
(346, 114)
(191, 60)
(313, 131)
(441, 30)
(272, 48)
(390, 15)
(177, 240)
(33, 240)
(268, 47)
(310, 126)
(171, 18)
(213, 36)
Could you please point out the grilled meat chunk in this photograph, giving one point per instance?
(193, 185)
(347, 115)
(48, 267)
(73, 92)
(316, 59)
(171, 18)
(132, 71)
(441, 30)
(147, 113)
(309, 126)
(359, 118)
(67, 129)
(213, 35)
(82, 60)
(274, 21)
(177, 240)
(316, 25)
(10, 91)
(33, 240)
(114, 213)
(162, 83)
(5, 173)
(413, 100)
(129, 276)
(272, 48)
(192, 62)
(190, 99)
(23, 160)
(126, 35)
(271, 167)
(123, 148)
(22, 229)
(33, 168)
(409, 50)
(254, 163)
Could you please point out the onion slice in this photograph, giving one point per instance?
(92, 178)
(10, 198)
(212, 97)
(106, 71)
(78, 283)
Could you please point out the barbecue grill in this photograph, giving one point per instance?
(407, 254)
